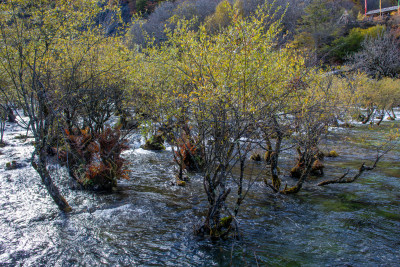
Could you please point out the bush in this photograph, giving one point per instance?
(332, 154)
(155, 142)
(189, 155)
(95, 160)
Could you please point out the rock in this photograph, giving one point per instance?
(12, 165)
(127, 123)
(22, 137)
(8, 178)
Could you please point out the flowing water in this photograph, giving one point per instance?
(149, 221)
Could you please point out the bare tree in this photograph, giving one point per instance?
(379, 57)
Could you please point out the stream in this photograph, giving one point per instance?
(148, 221)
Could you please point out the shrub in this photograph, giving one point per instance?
(189, 155)
(155, 142)
(95, 160)
(332, 154)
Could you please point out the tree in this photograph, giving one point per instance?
(210, 100)
(320, 25)
(228, 89)
(320, 20)
(221, 18)
(379, 57)
(42, 42)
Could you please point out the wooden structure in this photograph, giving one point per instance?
(381, 11)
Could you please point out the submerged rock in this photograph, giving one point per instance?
(12, 165)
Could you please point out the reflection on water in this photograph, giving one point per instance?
(150, 222)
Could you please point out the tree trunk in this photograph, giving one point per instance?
(382, 117)
(276, 181)
(274, 156)
(11, 116)
(368, 117)
(41, 168)
(309, 160)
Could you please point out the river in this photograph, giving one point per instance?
(148, 221)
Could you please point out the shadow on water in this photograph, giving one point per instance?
(148, 221)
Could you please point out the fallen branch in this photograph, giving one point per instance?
(344, 180)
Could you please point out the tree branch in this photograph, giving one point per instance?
(363, 168)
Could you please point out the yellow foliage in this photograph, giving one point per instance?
(223, 15)
(237, 70)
